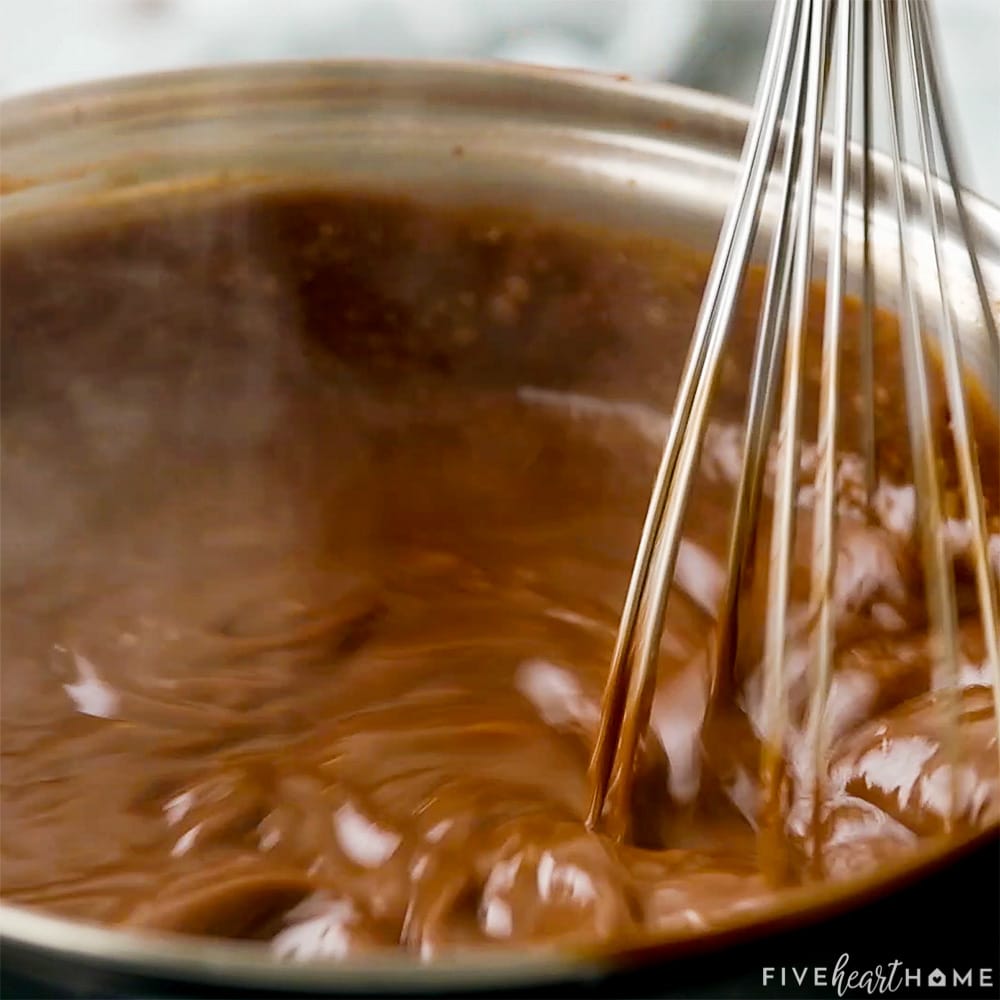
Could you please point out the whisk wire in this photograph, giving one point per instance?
(824, 522)
(761, 407)
(774, 704)
(812, 62)
(938, 569)
(951, 353)
(867, 352)
(614, 749)
(941, 108)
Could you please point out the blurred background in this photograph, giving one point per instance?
(714, 45)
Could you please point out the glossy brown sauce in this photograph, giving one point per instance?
(318, 514)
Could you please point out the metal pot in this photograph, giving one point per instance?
(655, 159)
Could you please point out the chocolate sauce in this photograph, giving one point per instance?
(319, 511)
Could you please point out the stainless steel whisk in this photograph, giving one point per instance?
(816, 51)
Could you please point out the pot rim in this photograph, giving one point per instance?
(187, 958)
(694, 114)
(19, 107)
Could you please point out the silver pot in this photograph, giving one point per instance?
(651, 158)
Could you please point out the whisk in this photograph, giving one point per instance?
(816, 52)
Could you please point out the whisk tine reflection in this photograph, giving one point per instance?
(816, 53)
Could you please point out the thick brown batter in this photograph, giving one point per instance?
(318, 514)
